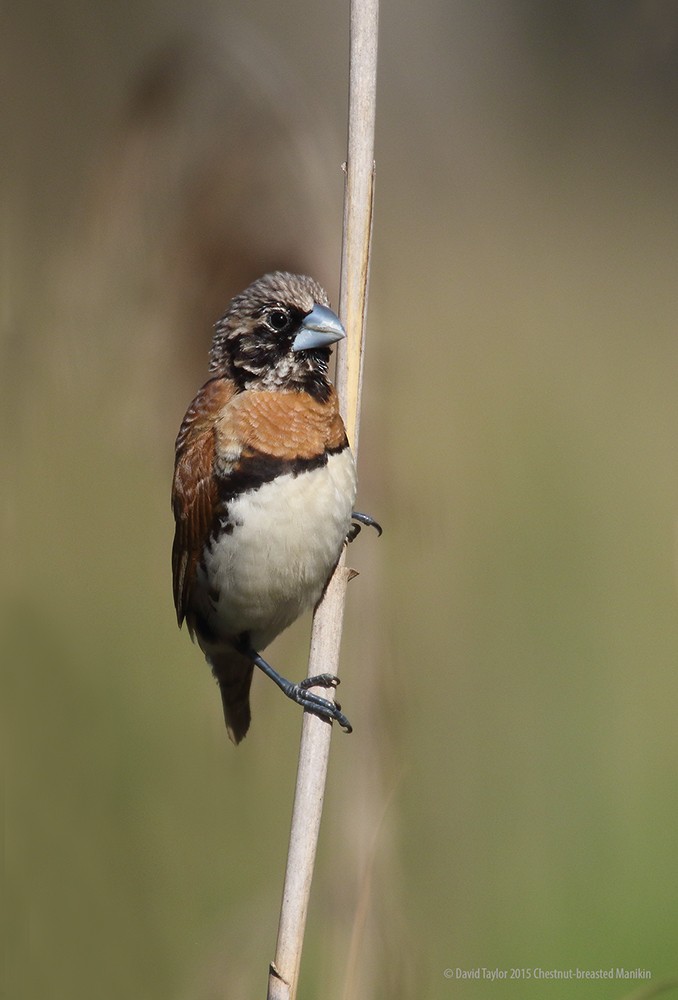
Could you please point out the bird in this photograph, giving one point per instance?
(263, 489)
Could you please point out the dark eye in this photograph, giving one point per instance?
(278, 320)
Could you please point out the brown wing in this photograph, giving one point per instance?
(194, 494)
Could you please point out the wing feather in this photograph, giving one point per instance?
(194, 489)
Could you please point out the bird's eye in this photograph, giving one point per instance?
(278, 320)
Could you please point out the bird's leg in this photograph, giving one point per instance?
(360, 519)
(326, 709)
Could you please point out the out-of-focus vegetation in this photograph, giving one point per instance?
(508, 798)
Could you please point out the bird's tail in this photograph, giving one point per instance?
(233, 672)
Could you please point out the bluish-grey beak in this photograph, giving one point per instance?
(320, 328)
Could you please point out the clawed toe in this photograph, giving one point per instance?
(322, 707)
(321, 680)
(358, 521)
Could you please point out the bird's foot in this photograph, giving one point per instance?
(324, 707)
(315, 703)
(358, 521)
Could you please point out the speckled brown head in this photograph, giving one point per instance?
(276, 335)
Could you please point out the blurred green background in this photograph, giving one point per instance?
(510, 795)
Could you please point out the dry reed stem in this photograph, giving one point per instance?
(328, 618)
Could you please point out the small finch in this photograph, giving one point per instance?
(263, 492)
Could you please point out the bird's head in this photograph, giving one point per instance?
(276, 335)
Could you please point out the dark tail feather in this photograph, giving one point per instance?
(234, 676)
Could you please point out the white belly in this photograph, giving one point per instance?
(273, 566)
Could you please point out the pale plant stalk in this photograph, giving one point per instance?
(328, 618)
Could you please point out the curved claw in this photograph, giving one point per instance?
(360, 520)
